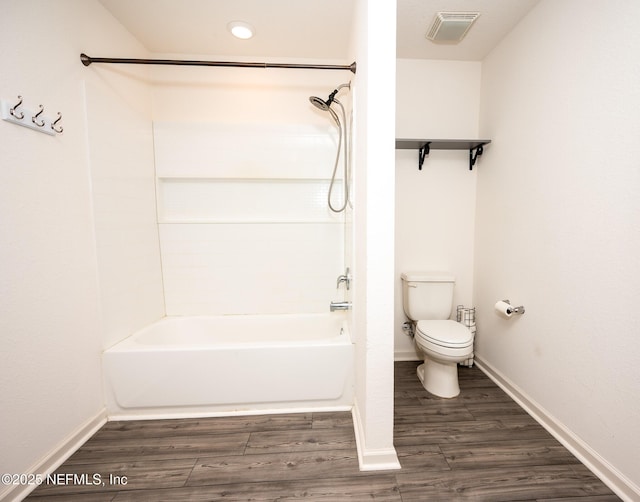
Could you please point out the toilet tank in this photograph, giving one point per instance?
(427, 295)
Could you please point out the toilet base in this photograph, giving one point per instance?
(439, 379)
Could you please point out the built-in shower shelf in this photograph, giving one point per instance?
(424, 146)
(191, 200)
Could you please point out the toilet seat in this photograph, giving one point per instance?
(445, 337)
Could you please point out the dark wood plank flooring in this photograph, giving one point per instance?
(480, 446)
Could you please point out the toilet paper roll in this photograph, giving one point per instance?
(504, 309)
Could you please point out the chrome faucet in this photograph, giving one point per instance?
(333, 306)
(346, 278)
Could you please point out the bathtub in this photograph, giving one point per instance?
(238, 364)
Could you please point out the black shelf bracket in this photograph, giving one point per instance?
(422, 152)
(424, 146)
(473, 158)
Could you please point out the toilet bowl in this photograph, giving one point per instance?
(427, 301)
(444, 344)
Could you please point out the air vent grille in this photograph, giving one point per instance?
(451, 27)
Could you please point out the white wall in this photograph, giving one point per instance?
(243, 163)
(373, 227)
(435, 207)
(558, 223)
(49, 299)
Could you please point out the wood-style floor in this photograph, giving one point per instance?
(478, 446)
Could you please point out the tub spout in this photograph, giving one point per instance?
(333, 306)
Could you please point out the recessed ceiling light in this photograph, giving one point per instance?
(240, 29)
(451, 27)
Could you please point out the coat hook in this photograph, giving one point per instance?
(12, 111)
(35, 120)
(53, 124)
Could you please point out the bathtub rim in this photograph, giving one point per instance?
(130, 343)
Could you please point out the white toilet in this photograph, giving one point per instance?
(427, 298)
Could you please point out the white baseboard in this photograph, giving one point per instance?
(405, 355)
(615, 480)
(379, 459)
(56, 457)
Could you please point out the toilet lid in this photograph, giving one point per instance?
(446, 333)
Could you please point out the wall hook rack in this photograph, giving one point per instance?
(19, 115)
(424, 147)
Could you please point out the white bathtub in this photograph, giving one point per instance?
(208, 366)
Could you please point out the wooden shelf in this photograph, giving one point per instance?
(425, 145)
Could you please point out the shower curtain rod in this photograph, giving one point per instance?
(87, 60)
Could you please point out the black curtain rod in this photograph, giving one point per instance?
(87, 60)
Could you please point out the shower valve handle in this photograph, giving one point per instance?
(346, 278)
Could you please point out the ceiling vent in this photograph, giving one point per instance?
(451, 27)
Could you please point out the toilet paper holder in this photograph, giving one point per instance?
(515, 310)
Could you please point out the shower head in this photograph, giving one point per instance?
(318, 103)
(324, 105)
(321, 104)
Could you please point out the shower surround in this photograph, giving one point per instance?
(246, 230)
(249, 253)
(243, 164)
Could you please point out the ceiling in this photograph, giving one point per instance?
(497, 19)
(305, 29)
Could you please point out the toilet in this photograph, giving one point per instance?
(427, 299)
